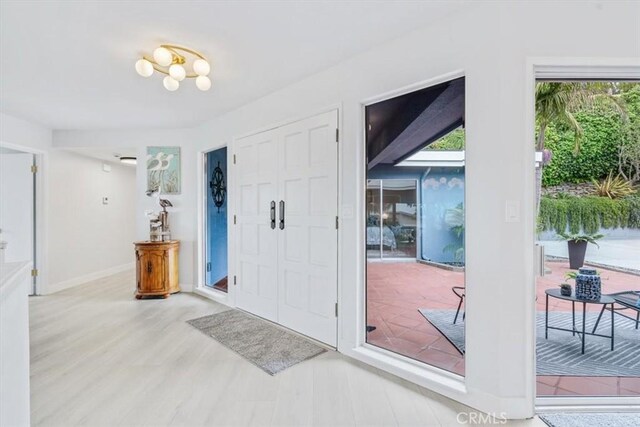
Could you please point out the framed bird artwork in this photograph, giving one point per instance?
(163, 170)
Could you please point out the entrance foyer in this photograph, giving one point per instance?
(286, 219)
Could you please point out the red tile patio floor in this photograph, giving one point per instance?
(395, 292)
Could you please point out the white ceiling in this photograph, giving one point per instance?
(106, 154)
(70, 65)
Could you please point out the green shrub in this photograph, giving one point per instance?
(453, 141)
(598, 154)
(588, 214)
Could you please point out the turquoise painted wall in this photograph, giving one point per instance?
(216, 222)
(441, 188)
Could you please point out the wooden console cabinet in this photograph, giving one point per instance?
(157, 268)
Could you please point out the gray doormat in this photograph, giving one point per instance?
(587, 419)
(560, 354)
(267, 346)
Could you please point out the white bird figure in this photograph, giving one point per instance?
(154, 163)
(166, 162)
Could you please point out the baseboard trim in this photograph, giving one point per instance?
(80, 280)
(186, 287)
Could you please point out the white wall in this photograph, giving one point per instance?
(17, 131)
(182, 216)
(492, 46)
(15, 283)
(88, 239)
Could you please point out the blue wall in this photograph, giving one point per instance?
(216, 222)
(441, 188)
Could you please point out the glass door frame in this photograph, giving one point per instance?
(382, 257)
(574, 69)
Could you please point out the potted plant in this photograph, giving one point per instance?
(565, 289)
(577, 244)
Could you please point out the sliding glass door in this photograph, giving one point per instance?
(392, 210)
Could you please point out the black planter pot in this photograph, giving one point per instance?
(577, 250)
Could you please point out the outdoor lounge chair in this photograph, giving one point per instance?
(459, 291)
(629, 301)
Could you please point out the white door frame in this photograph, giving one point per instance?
(579, 69)
(41, 160)
(200, 287)
(229, 298)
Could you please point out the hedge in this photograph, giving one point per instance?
(598, 150)
(588, 214)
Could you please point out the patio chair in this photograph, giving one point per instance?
(459, 291)
(629, 301)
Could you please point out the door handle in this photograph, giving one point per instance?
(149, 267)
(281, 214)
(273, 214)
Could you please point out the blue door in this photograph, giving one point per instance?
(216, 220)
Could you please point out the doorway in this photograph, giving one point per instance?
(18, 209)
(216, 210)
(286, 248)
(588, 204)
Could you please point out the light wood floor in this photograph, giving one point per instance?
(100, 357)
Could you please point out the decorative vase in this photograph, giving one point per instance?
(588, 285)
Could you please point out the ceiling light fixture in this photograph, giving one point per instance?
(129, 160)
(170, 59)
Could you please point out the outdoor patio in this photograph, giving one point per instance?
(395, 292)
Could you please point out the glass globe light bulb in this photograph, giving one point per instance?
(170, 84)
(203, 83)
(144, 67)
(177, 72)
(201, 67)
(163, 56)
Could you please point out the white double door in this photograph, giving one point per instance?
(286, 226)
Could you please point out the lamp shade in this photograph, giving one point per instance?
(203, 83)
(177, 72)
(144, 67)
(201, 67)
(170, 83)
(162, 56)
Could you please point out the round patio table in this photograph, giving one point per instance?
(604, 301)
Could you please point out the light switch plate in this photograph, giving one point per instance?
(105, 200)
(512, 211)
(106, 167)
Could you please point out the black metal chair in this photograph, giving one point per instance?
(628, 300)
(459, 291)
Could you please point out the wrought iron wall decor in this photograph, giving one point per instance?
(218, 187)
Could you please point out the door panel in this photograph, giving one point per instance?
(289, 275)
(308, 244)
(16, 206)
(152, 270)
(256, 241)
